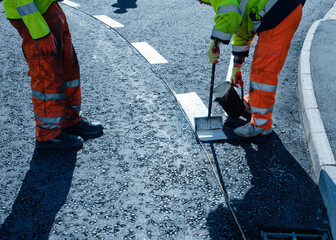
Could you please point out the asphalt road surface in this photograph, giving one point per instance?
(147, 177)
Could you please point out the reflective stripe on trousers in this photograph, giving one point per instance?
(55, 82)
(268, 59)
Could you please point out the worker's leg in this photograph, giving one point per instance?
(47, 81)
(268, 59)
(71, 72)
(73, 123)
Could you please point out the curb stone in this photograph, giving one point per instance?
(321, 154)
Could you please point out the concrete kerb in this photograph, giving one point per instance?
(321, 154)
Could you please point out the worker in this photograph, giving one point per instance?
(54, 71)
(275, 22)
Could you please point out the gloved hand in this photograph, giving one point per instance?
(236, 77)
(212, 54)
(46, 45)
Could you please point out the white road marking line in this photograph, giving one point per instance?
(333, 16)
(149, 53)
(109, 21)
(193, 106)
(71, 4)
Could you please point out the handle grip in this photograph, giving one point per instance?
(215, 45)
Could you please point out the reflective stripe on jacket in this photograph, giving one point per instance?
(242, 19)
(30, 11)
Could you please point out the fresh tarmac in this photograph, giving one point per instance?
(146, 177)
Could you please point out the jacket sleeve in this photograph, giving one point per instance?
(227, 20)
(241, 46)
(33, 19)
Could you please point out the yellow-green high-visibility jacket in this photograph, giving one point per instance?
(30, 11)
(241, 20)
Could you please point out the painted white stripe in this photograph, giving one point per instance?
(333, 15)
(71, 4)
(109, 21)
(194, 107)
(149, 53)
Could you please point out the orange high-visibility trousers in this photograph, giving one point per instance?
(55, 81)
(268, 59)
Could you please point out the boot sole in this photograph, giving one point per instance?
(55, 146)
(81, 133)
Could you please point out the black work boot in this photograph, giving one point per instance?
(84, 128)
(61, 141)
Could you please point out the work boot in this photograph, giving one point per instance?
(249, 130)
(84, 128)
(61, 141)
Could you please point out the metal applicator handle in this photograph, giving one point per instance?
(212, 81)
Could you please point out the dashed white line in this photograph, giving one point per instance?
(109, 21)
(146, 50)
(192, 105)
(71, 4)
(333, 15)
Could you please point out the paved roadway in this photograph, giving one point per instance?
(146, 177)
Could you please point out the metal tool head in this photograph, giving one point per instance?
(208, 123)
(209, 129)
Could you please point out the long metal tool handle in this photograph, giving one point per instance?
(212, 81)
(242, 92)
(211, 88)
